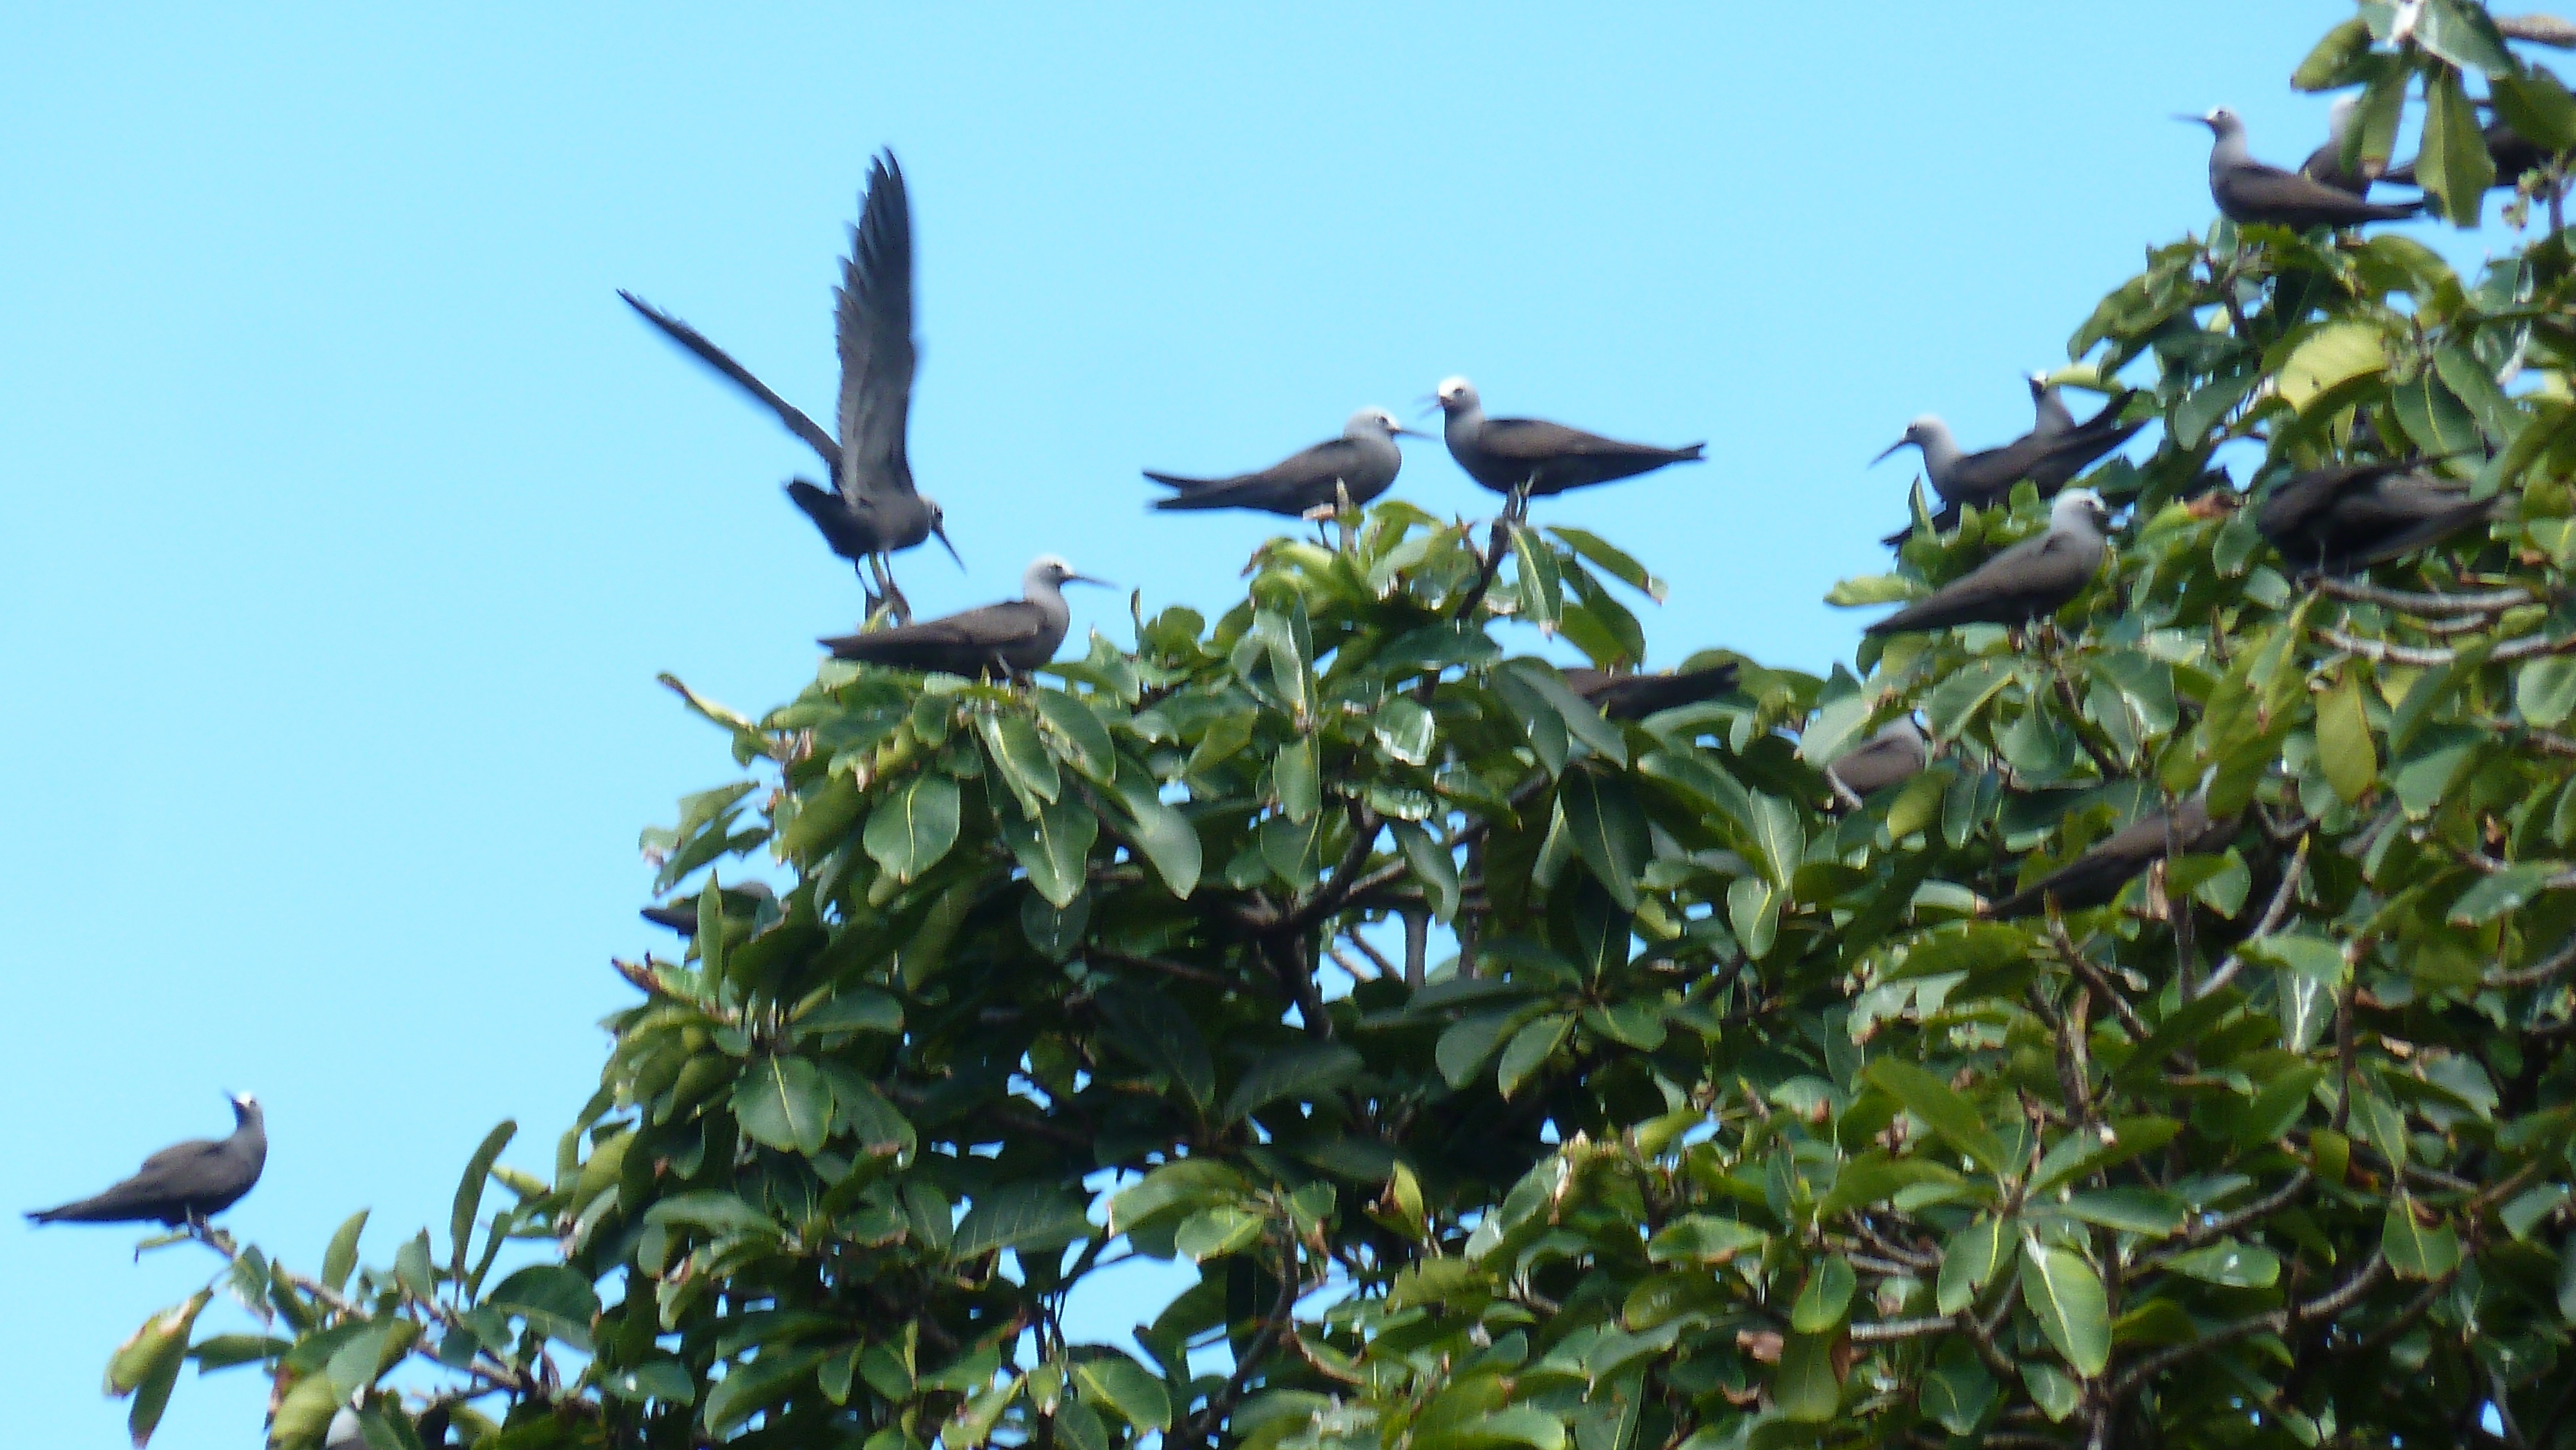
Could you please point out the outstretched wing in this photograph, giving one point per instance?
(877, 353)
(715, 357)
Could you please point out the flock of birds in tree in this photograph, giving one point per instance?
(2336, 519)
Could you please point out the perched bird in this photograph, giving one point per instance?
(2095, 877)
(1894, 754)
(2030, 580)
(998, 639)
(188, 1184)
(2350, 516)
(1362, 462)
(2326, 163)
(2048, 456)
(2515, 156)
(1525, 458)
(2247, 190)
(743, 901)
(2049, 414)
(871, 509)
(1634, 697)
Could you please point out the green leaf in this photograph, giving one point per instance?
(1293, 776)
(2460, 32)
(1530, 1049)
(719, 1213)
(1957, 1389)
(1434, 869)
(1113, 1382)
(1163, 834)
(147, 1365)
(556, 1301)
(1704, 1240)
(1941, 1109)
(469, 1189)
(747, 1389)
(782, 1102)
(859, 1009)
(1804, 1387)
(1607, 828)
(659, 1378)
(2414, 1250)
(1968, 1263)
(2065, 1295)
(341, 1258)
(2333, 354)
(1011, 742)
(1597, 552)
(2544, 690)
(2149, 1212)
(2537, 106)
(1054, 848)
(1158, 1033)
(2331, 63)
(2050, 1389)
(1077, 736)
(1025, 1216)
(2505, 891)
(2454, 165)
(1466, 1043)
(911, 829)
(1303, 1073)
(2229, 1263)
(2344, 745)
(1403, 729)
(1822, 1304)
(1541, 588)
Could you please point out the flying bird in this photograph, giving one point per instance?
(1526, 458)
(188, 1184)
(2031, 580)
(2247, 190)
(1634, 697)
(1362, 462)
(999, 639)
(2049, 456)
(2095, 878)
(2350, 516)
(1894, 754)
(872, 510)
(743, 901)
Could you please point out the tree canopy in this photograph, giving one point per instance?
(1729, 1115)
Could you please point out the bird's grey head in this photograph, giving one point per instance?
(1376, 423)
(939, 528)
(1049, 571)
(2339, 115)
(2038, 384)
(2221, 122)
(1456, 395)
(245, 1107)
(1928, 433)
(2079, 505)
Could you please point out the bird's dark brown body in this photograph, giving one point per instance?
(188, 1183)
(2095, 878)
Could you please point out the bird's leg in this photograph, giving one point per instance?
(892, 595)
(1343, 514)
(1516, 507)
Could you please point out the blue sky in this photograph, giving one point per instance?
(350, 514)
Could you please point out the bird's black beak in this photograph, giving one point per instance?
(2192, 120)
(1403, 432)
(940, 531)
(1891, 450)
(1431, 406)
(1087, 579)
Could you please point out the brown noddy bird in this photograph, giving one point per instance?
(2096, 877)
(742, 901)
(872, 509)
(2248, 190)
(2030, 580)
(1896, 753)
(1634, 697)
(1362, 462)
(188, 1183)
(1010, 639)
(2049, 456)
(1526, 458)
(2348, 517)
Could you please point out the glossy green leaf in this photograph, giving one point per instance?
(782, 1102)
(1299, 1073)
(1941, 1109)
(2416, 1249)
(469, 1191)
(1054, 847)
(2064, 1294)
(1826, 1297)
(1607, 828)
(911, 829)
(2454, 166)
(2344, 745)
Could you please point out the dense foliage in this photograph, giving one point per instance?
(1732, 1120)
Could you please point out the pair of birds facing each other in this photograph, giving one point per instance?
(1519, 458)
(185, 1184)
(872, 509)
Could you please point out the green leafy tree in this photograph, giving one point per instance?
(1733, 1118)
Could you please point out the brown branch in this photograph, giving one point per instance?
(2273, 915)
(2538, 972)
(2492, 601)
(2277, 1321)
(2380, 649)
(1182, 970)
(1890, 1329)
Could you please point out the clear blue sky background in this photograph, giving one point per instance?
(349, 515)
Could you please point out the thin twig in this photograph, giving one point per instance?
(2492, 601)
(2273, 915)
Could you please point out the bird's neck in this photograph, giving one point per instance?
(1460, 424)
(2228, 151)
(1940, 454)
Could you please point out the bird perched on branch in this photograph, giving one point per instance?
(2031, 580)
(1634, 697)
(188, 1184)
(871, 511)
(2096, 877)
(2248, 190)
(1362, 463)
(1894, 754)
(2049, 455)
(2350, 516)
(1527, 458)
(1008, 639)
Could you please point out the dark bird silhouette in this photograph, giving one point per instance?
(189, 1183)
(1894, 754)
(2049, 456)
(1634, 697)
(2326, 163)
(2095, 878)
(743, 901)
(998, 639)
(871, 510)
(2030, 580)
(1526, 458)
(1362, 462)
(2348, 517)
(2515, 156)
(2247, 190)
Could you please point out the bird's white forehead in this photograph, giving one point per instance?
(2078, 498)
(1455, 384)
(1052, 563)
